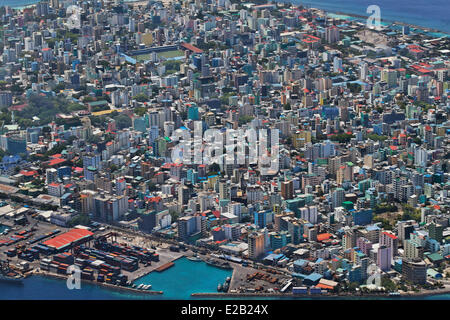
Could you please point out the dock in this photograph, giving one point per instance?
(165, 267)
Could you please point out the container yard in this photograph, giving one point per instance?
(101, 258)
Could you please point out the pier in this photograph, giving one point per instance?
(165, 267)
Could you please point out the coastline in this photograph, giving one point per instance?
(419, 294)
(359, 16)
(325, 11)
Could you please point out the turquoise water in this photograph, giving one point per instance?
(42, 288)
(3, 228)
(184, 278)
(178, 282)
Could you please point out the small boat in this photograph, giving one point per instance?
(140, 286)
(194, 258)
(219, 287)
(228, 279)
(225, 287)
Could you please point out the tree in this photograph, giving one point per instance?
(353, 286)
(81, 219)
(141, 97)
(123, 121)
(140, 111)
(388, 284)
(354, 87)
(214, 168)
(409, 213)
(342, 137)
(245, 119)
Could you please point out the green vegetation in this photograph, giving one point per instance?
(171, 54)
(342, 137)
(388, 284)
(354, 87)
(225, 98)
(385, 207)
(141, 97)
(140, 111)
(213, 169)
(409, 213)
(376, 137)
(81, 219)
(424, 105)
(62, 35)
(45, 108)
(353, 286)
(385, 224)
(245, 119)
(123, 121)
(172, 66)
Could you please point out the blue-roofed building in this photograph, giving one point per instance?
(362, 217)
(272, 259)
(299, 265)
(312, 279)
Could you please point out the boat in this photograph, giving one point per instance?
(228, 279)
(9, 275)
(139, 287)
(194, 258)
(219, 287)
(225, 287)
(219, 264)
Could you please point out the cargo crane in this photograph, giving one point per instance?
(105, 237)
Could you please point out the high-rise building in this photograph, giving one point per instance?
(391, 241)
(255, 245)
(414, 270)
(287, 189)
(384, 258)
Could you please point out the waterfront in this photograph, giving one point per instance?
(419, 12)
(43, 288)
(184, 278)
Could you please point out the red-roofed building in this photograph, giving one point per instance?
(66, 240)
(55, 189)
(190, 47)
